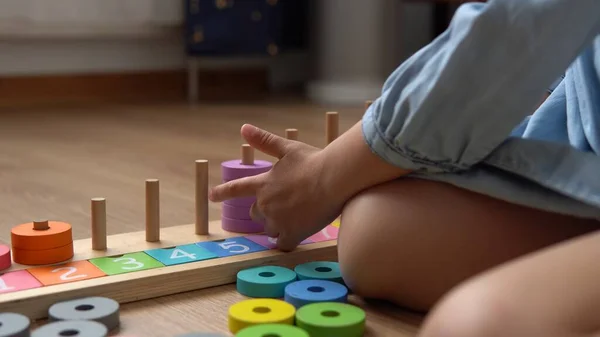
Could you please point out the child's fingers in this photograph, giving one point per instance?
(287, 242)
(238, 188)
(265, 141)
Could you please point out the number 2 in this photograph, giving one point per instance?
(129, 260)
(230, 244)
(66, 276)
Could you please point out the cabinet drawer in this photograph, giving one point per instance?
(233, 27)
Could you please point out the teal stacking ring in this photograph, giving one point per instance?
(320, 270)
(265, 281)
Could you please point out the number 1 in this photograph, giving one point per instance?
(3, 286)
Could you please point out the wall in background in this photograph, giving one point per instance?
(41, 57)
(358, 43)
(50, 44)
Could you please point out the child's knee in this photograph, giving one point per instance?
(487, 307)
(358, 255)
(471, 311)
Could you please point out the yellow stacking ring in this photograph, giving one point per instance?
(260, 311)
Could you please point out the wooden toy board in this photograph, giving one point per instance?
(189, 262)
(158, 261)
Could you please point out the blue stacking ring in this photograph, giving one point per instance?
(304, 292)
(265, 281)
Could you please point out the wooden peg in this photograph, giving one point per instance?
(98, 223)
(152, 210)
(291, 134)
(247, 155)
(41, 225)
(331, 126)
(201, 224)
(368, 104)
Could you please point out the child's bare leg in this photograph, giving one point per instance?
(410, 241)
(551, 293)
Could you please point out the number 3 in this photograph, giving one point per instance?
(129, 260)
(66, 276)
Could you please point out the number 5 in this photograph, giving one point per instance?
(230, 244)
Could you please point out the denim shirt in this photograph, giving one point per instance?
(464, 109)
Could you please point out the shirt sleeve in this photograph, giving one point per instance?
(454, 101)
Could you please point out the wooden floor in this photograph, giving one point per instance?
(54, 160)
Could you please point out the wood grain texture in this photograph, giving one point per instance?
(53, 161)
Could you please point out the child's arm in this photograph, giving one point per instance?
(444, 109)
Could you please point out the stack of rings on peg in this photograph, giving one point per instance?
(235, 214)
(42, 242)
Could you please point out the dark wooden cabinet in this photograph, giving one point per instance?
(244, 27)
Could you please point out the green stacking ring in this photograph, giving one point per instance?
(325, 319)
(262, 330)
(264, 281)
(320, 270)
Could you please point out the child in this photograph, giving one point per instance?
(457, 194)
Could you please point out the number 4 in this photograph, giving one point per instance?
(178, 253)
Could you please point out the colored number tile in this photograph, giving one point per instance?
(127, 263)
(67, 272)
(268, 242)
(336, 223)
(181, 254)
(17, 280)
(326, 234)
(231, 246)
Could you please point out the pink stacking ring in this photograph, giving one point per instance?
(5, 257)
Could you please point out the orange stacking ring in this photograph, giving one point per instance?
(49, 234)
(42, 242)
(46, 256)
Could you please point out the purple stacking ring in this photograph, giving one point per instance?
(241, 226)
(234, 169)
(235, 212)
(241, 202)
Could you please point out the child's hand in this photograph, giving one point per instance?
(294, 200)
